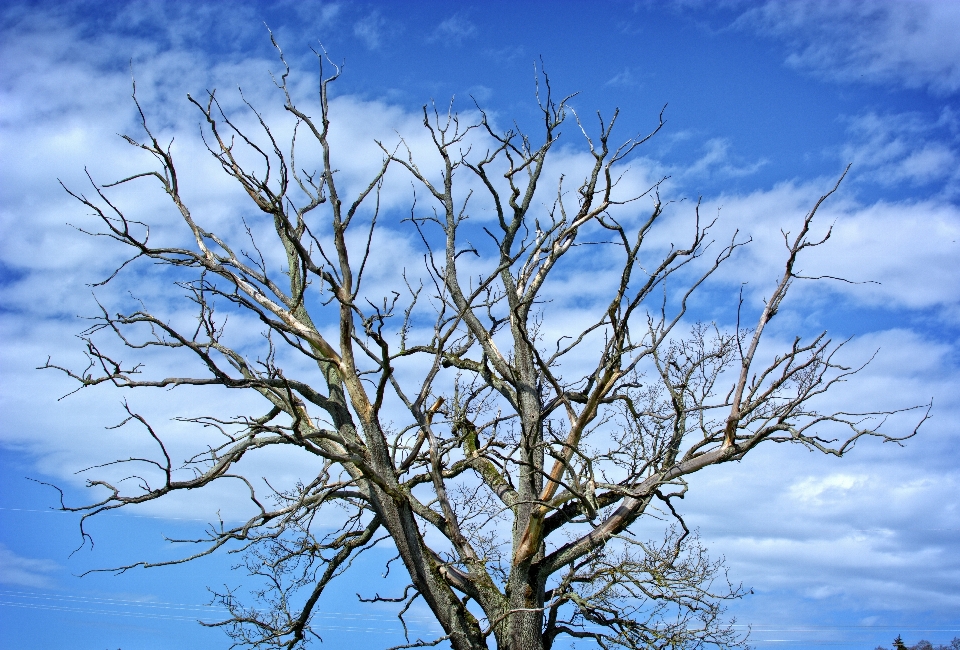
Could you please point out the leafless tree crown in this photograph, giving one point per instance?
(445, 411)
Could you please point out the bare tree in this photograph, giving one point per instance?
(531, 458)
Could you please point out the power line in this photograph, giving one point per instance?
(130, 514)
(189, 618)
(211, 609)
(118, 604)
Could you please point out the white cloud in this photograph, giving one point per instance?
(905, 148)
(908, 247)
(822, 488)
(315, 12)
(623, 78)
(370, 29)
(506, 55)
(718, 161)
(25, 572)
(454, 30)
(913, 44)
(480, 93)
(782, 518)
(875, 530)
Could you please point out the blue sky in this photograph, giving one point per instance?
(767, 102)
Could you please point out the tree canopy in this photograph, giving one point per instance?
(508, 452)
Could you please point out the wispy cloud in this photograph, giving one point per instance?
(454, 30)
(370, 29)
(913, 44)
(25, 572)
(480, 92)
(892, 149)
(505, 55)
(623, 78)
(717, 160)
(314, 12)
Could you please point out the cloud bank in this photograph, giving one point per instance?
(913, 44)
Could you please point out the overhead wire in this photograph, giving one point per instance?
(105, 603)
(120, 602)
